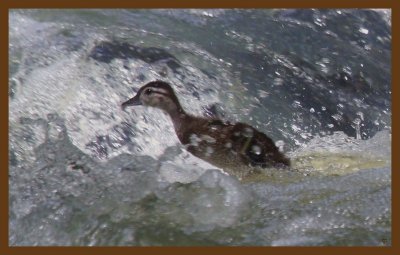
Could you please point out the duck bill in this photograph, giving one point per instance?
(132, 102)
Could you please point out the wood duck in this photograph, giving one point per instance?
(229, 146)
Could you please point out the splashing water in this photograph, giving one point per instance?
(84, 172)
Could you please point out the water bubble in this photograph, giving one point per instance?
(194, 140)
(208, 139)
(280, 144)
(256, 149)
(248, 132)
(357, 122)
(296, 104)
(337, 117)
(278, 81)
(263, 94)
(361, 115)
(295, 128)
(363, 30)
(228, 145)
(320, 21)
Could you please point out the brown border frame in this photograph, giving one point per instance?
(5, 5)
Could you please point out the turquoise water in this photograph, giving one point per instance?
(84, 172)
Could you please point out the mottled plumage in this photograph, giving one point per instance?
(225, 145)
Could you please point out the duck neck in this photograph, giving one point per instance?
(174, 109)
(178, 116)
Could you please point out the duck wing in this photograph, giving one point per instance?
(255, 147)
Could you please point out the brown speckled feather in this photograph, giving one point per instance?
(225, 145)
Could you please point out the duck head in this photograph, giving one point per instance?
(158, 94)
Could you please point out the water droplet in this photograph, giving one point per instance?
(361, 115)
(209, 151)
(208, 139)
(263, 94)
(194, 140)
(295, 128)
(337, 117)
(296, 104)
(363, 30)
(278, 81)
(248, 132)
(256, 149)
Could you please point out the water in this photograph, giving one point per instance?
(84, 172)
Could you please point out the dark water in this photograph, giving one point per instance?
(83, 172)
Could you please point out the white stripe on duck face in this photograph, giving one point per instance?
(160, 98)
(160, 91)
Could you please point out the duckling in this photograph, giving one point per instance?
(230, 146)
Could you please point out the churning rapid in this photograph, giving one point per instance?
(84, 172)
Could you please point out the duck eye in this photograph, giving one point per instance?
(148, 91)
